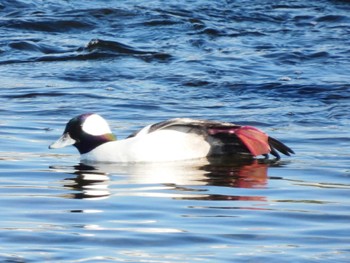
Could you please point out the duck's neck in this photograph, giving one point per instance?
(90, 142)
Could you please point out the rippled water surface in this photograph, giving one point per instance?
(282, 66)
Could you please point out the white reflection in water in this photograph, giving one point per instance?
(185, 180)
(134, 229)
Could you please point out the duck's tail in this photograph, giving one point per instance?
(276, 145)
(259, 143)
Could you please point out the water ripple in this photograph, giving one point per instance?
(95, 49)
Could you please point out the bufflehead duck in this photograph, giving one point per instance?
(170, 140)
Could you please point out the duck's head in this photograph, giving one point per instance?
(85, 132)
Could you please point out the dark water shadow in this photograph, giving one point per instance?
(189, 180)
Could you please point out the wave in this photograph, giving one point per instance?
(95, 49)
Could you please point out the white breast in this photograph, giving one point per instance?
(158, 146)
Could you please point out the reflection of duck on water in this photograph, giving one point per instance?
(183, 180)
(88, 183)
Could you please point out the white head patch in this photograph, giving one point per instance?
(96, 125)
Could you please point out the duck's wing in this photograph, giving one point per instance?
(190, 123)
(182, 124)
(226, 137)
(173, 124)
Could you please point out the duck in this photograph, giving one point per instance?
(175, 139)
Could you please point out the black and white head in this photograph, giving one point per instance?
(85, 132)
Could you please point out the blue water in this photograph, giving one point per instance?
(282, 66)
